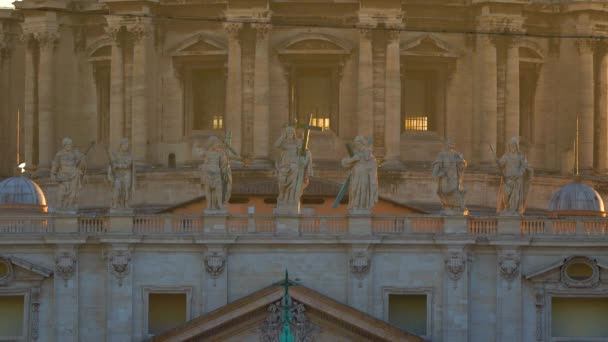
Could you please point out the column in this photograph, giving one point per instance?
(455, 309)
(365, 103)
(512, 90)
(602, 163)
(29, 102)
(261, 110)
(392, 116)
(508, 296)
(117, 90)
(46, 139)
(65, 287)
(141, 34)
(585, 104)
(234, 85)
(486, 54)
(120, 294)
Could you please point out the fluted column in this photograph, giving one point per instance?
(365, 91)
(234, 86)
(261, 110)
(46, 42)
(512, 90)
(602, 163)
(486, 54)
(585, 104)
(117, 90)
(29, 101)
(392, 117)
(141, 34)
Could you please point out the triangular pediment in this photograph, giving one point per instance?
(200, 47)
(16, 269)
(313, 44)
(585, 272)
(244, 319)
(428, 45)
(199, 44)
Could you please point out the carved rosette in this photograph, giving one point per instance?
(455, 265)
(233, 30)
(303, 329)
(65, 265)
(261, 30)
(508, 265)
(119, 263)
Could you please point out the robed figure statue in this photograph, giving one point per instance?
(121, 173)
(293, 170)
(448, 170)
(216, 175)
(363, 187)
(516, 175)
(67, 169)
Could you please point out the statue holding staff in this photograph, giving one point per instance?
(515, 181)
(448, 170)
(67, 169)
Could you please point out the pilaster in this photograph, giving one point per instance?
(119, 316)
(586, 111)
(117, 85)
(487, 97)
(602, 162)
(234, 86)
(261, 122)
(512, 89)
(508, 295)
(455, 285)
(66, 288)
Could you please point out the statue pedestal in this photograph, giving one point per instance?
(120, 223)
(66, 223)
(287, 209)
(214, 221)
(288, 225)
(124, 211)
(509, 225)
(455, 225)
(360, 224)
(454, 212)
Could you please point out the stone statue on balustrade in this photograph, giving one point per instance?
(216, 175)
(68, 169)
(294, 167)
(363, 178)
(516, 175)
(121, 174)
(448, 170)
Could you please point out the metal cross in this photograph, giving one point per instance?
(307, 128)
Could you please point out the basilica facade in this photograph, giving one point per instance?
(406, 77)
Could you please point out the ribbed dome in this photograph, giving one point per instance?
(21, 193)
(577, 199)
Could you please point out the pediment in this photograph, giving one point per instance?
(248, 318)
(314, 44)
(561, 272)
(428, 45)
(199, 45)
(14, 269)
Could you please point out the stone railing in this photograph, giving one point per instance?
(382, 225)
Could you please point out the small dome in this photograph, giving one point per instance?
(577, 199)
(21, 194)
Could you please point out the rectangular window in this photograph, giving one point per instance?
(579, 317)
(11, 316)
(166, 311)
(419, 100)
(208, 99)
(408, 312)
(316, 94)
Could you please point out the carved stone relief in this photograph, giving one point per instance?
(6, 271)
(539, 301)
(215, 262)
(455, 265)
(569, 281)
(360, 262)
(303, 329)
(65, 265)
(508, 265)
(119, 263)
(35, 318)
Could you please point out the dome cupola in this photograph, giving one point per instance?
(576, 199)
(21, 194)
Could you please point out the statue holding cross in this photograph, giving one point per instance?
(294, 167)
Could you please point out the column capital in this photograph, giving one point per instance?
(113, 32)
(365, 33)
(46, 39)
(6, 44)
(233, 29)
(512, 41)
(138, 31)
(262, 30)
(586, 45)
(393, 35)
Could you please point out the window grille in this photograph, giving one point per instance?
(416, 122)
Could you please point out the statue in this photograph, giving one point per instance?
(363, 179)
(294, 168)
(448, 170)
(216, 176)
(121, 173)
(67, 169)
(515, 181)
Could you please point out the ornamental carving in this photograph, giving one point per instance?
(6, 271)
(119, 263)
(508, 265)
(35, 320)
(572, 277)
(261, 30)
(233, 30)
(46, 40)
(586, 45)
(215, 262)
(302, 328)
(139, 31)
(455, 265)
(539, 302)
(65, 265)
(360, 263)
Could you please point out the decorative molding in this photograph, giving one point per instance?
(393, 35)
(46, 39)
(65, 265)
(591, 282)
(35, 313)
(119, 262)
(508, 265)
(365, 33)
(539, 302)
(9, 275)
(303, 329)
(585, 45)
(139, 31)
(233, 30)
(215, 262)
(360, 262)
(261, 30)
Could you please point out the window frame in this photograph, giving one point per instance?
(26, 293)
(549, 314)
(427, 291)
(187, 71)
(147, 290)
